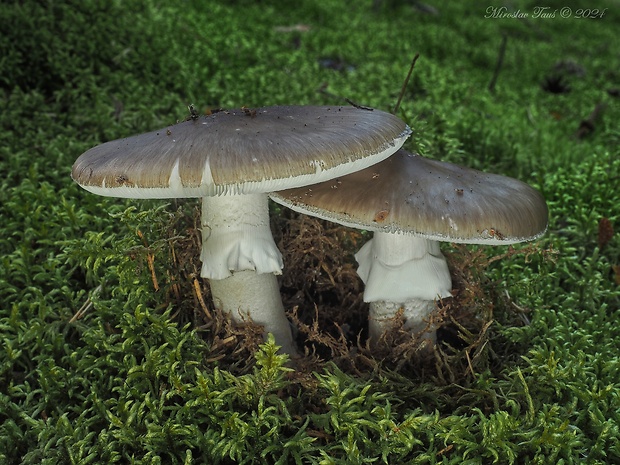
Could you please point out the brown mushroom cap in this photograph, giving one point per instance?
(408, 193)
(241, 151)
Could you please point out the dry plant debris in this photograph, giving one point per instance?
(324, 299)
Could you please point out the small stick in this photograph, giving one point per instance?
(402, 90)
(198, 292)
(500, 62)
(323, 90)
(150, 260)
(586, 126)
(82, 311)
(360, 107)
(85, 307)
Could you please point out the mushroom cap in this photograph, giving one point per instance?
(241, 152)
(408, 193)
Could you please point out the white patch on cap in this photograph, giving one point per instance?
(174, 182)
(207, 175)
(318, 165)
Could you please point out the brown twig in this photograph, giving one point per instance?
(587, 126)
(500, 62)
(323, 90)
(85, 307)
(360, 107)
(404, 87)
(150, 260)
(204, 307)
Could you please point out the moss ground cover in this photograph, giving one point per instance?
(111, 352)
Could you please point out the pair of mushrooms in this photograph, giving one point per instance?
(338, 163)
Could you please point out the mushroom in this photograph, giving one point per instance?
(231, 159)
(412, 203)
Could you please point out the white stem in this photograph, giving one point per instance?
(257, 296)
(236, 236)
(415, 312)
(402, 271)
(241, 260)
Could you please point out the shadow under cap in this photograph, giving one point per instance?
(408, 193)
(238, 148)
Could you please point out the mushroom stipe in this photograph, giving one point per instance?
(232, 159)
(411, 203)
